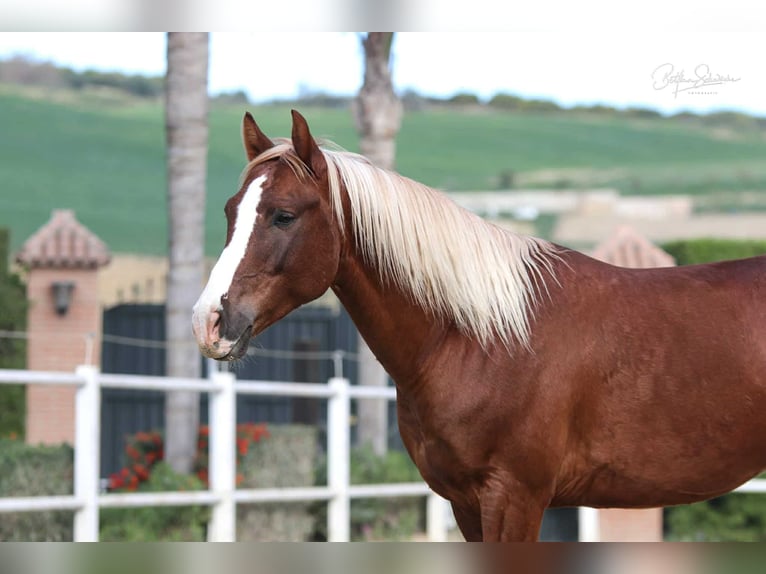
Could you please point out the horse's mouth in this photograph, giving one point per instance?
(239, 348)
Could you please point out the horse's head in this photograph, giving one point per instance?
(282, 246)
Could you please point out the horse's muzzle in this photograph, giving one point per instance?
(220, 335)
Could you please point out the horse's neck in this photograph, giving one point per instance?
(397, 331)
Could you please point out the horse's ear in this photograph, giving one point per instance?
(256, 142)
(305, 146)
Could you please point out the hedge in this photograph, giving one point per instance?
(35, 471)
(693, 251)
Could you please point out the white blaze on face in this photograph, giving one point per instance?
(223, 272)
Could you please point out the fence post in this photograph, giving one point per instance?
(588, 524)
(436, 518)
(338, 454)
(87, 454)
(222, 457)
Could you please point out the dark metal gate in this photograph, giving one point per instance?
(310, 345)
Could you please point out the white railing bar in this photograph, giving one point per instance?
(17, 376)
(39, 503)
(365, 392)
(388, 490)
(753, 485)
(111, 381)
(205, 497)
(136, 499)
(283, 389)
(296, 494)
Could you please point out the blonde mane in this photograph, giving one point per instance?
(450, 261)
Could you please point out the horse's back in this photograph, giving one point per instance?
(674, 386)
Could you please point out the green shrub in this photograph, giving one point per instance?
(596, 109)
(145, 449)
(739, 517)
(464, 99)
(281, 456)
(537, 105)
(13, 317)
(506, 101)
(378, 518)
(286, 459)
(688, 252)
(35, 471)
(730, 119)
(158, 523)
(642, 113)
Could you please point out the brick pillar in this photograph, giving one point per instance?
(620, 525)
(61, 251)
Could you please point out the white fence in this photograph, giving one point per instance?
(223, 495)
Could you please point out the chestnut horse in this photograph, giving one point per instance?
(528, 375)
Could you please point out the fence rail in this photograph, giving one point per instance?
(222, 495)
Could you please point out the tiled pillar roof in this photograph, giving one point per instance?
(63, 242)
(628, 248)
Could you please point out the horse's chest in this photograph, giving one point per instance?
(441, 457)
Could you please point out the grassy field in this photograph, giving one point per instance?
(103, 155)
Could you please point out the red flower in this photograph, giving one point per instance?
(259, 431)
(144, 449)
(116, 481)
(242, 446)
(141, 471)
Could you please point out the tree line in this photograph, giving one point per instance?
(23, 70)
(513, 103)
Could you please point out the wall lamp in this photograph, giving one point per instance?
(62, 296)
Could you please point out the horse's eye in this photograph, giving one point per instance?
(283, 219)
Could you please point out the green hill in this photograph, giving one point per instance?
(102, 155)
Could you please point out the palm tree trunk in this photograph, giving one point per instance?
(378, 116)
(186, 127)
(377, 108)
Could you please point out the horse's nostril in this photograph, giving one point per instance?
(213, 328)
